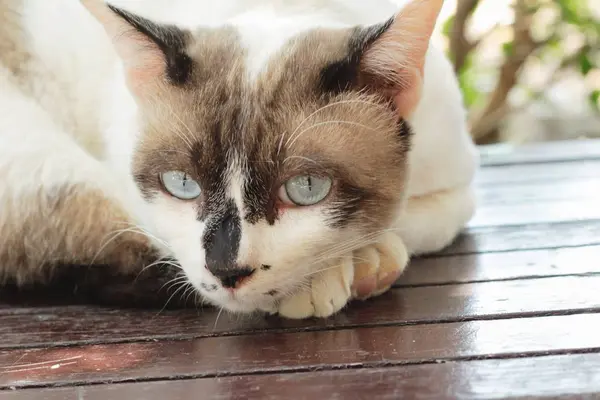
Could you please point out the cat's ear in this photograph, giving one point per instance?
(151, 52)
(393, 56)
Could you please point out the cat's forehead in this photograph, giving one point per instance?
(238, 58)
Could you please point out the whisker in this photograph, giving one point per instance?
(300, 158)
(173, 282)
(143, 231)
(115, 234)
(327, 123)
(169, 299)
(217, 319)
(188, 140)
(337, 103)
(158, 262)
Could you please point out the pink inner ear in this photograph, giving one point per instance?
(406, 100)
(143, 62)
(142, 59)
(397, 58)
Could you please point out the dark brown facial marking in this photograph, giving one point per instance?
(222, 240)
(171, 40)
(343, 75)
(272, 293)
(265, 267)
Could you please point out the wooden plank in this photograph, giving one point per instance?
(427, 304)
(577, 209)
(538, 192)
(501, 266)
(500, 378)
(525, 237)
(306, 351)
(538, 202)
(556, 151)
(527, 173)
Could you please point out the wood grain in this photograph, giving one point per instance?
(539, 192)
(528, 173)
(500, 378)
(548, 152)
(57, 327)
(525, 237)
(501, 266)
(305, 351)
(578, 209)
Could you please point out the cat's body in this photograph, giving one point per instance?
(77, 160)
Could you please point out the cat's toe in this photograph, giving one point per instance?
(298, 306)
(378, 266)
(329, 292)
(332, 291)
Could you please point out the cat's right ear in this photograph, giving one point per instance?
(151, 53)
(389, 58)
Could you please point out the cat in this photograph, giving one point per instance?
(287, 155)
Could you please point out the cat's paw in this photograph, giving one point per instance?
(378, 266)
(368, 272)
(328, 293)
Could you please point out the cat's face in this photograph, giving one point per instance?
(256, 181)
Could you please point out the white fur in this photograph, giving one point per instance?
(75, 122)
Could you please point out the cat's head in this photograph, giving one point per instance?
(260, 174)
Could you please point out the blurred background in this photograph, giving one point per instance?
(529, 69)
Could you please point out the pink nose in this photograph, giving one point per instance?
(231, 277)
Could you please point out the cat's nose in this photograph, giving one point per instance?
(231, 277)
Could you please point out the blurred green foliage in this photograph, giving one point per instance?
(553, 26)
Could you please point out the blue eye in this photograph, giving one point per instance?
(305, 190)
(180, 185)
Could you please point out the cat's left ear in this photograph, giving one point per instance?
(152, 53)
(393, 54)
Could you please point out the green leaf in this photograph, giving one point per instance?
(466, 78)
(595, 98)
(508, 48)
(585, 64)
(447, 27)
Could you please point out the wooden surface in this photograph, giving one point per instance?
(511, 310)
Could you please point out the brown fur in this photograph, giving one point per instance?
(72, 225)
(12, 37)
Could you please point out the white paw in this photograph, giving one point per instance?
(328, 293)
(368, 272)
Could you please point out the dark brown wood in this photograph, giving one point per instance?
(500, 378)
(525, 237)
(428, 304)
(305, 351)
(501, 266)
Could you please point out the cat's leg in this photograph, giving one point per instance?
(367, 272)
(58, 205)
(431, 222)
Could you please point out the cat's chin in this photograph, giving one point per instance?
(242, 306)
